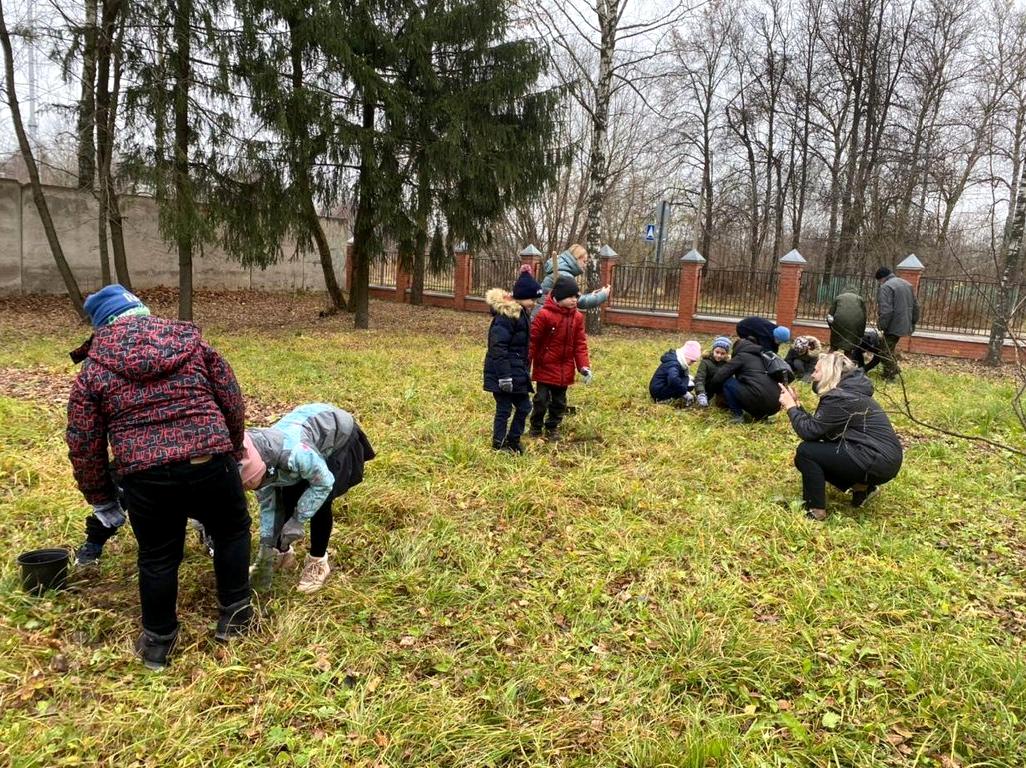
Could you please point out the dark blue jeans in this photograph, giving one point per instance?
(516, 404)
(732, 394)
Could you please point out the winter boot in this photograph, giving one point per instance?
(154, 649)
(235, 619)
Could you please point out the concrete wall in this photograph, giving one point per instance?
(27, 266)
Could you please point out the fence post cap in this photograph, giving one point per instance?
(605, 252)
(460, 247)
(693, 257)
(911, 263)
(793, 257)
(351, 241)
(530, 250)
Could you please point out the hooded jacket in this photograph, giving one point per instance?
(849, 415)
(671, 378)
(568, 266)
(703, 376)
(759, 395)
(157, 393)
(847, 321)
(509, 339)
(295, 449)
(761, 330)
(897, 307)
(559, 346)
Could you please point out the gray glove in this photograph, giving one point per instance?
(110, 514)
(263, 569)
(586, 375)
(506, 385)
(292, 531)
(703, 401)
(689, 400)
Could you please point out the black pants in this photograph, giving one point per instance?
(549, 407)
(347, 467)
(160, 500)
(506, 404)
(822, 463)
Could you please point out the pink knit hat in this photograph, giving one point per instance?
(253, 467)
(689, 353)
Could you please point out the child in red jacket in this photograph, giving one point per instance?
(559, 348)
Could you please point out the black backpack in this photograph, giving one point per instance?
(777, 367)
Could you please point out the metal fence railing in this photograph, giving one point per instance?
(957, 305)
(382, 271)
(817, 292)
(487, 272)
(646, 287)
(737, 293)
(440, 282)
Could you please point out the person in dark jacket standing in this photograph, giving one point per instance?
(898, 314)
(763, 332)
(848, 442)
(847, 321)
(507, 368)
(559, 348)
(745, 384)
(173, 414)
(672, 380)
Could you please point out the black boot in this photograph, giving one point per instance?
(552, 435)
(154, 649)
(235, 619)
(514, 446)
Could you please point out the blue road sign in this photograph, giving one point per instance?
(650, 235)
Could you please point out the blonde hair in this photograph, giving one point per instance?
(832, 366)
(579, 251)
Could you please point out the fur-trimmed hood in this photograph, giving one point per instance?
(502, 303)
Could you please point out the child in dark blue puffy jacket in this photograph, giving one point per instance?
(507, 369)
(672, 379)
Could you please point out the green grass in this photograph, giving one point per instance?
(637, 596)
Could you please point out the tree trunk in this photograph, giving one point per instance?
(598, 170)
(86, 102)
(103, 48)
(421, 236)
(30, 164)
(1011, 255)
(363, 226)
(182, 179)
(117, 229)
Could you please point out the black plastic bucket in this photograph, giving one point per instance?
(43, 569)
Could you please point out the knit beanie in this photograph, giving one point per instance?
(526, 287)
(689, 353)
(110, 302)
(882, 273)
(253, 467)
(564, 288)
(781, 334)
(723, 342)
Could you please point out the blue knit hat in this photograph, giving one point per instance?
(109, 302)
(526, 287)
(781, 334)
(722, 342)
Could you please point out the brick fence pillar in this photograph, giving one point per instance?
(461, 277)
(789, 280)
(690, 285)
(607, 259)
(349, 266)
(910, 269)
(532, 257)
(403, 280)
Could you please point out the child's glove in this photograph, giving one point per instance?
(689, 400)
(110, 514)
(703, 401)
(586, 375)
(291, 532)
(262, 570)
(506, 385)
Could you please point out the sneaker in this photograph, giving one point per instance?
(315, 573)
(154, 649)
(88, 555)
(280, 561)
(235, 619)
(737, 418)
(859, 498)
(818, 515)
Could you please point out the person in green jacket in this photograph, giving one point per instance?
(847, 321)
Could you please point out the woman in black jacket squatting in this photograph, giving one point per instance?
(507, 370)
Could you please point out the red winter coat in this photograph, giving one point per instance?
(559, 346)
(158, 393)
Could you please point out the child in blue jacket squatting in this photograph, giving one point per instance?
(672, 380)
(507, 370)
(298, 468)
